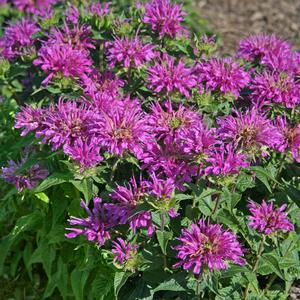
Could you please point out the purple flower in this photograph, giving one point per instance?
(122, 128)
(63, 60)
(123, 251)
(164, 17)
(159, 188)
(37, 7)
(267, 220)
(79, 37)
(65, 123)
(129, 52)
(276, 87)
(251, 131)
(29, 119)
(85, 152)
(95, 227)
(208, 245)
(224, 161)
(72, 15)
(167, 76)
(128, 197)
(18, 40)
(291, 137)
(27, 179)
(99, 9)
(257, 47)
(104, 89)
(224, 75)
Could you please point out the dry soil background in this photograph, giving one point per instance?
(234, 19)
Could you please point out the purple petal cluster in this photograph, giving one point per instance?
(18, 39)
(123, 251)
(267, 220)
(99, 9)
(168, 76)
(37, 7)
(95, 227)
(27, 179)
(225, 161)
(164, 17)
(208, 245)
(276, 87)
(223, 75)
(63, 60)
(130, 52)
(250, 131)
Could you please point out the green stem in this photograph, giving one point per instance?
(281, 166)
(162, 228)
(216, 205)
(114, 169)
(259, 253)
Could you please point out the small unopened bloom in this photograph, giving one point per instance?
(130, 52)
(95, 227)
(164, 17)
(267, 220)
(208, 246)
(167, 76)
(123, 251)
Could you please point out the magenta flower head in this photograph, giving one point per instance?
(224, 161)
(267, 220)
(27, 179)
(251, 131)
(208, 246)
(18, 39)
(123, 251)
(37, 7)
(122, 128)
(167, 76)
(99, 9)
(164, 17)
(129, 52)
(224, 75)
(291, 137)
(95, 227)
(63, 60)
(72, 15)
(127, 198)
(85, 152)
(276, 87)
(258, 47)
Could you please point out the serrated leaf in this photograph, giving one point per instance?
(52, 180)
(163, 238)
(78, 281)
(273, 262)
(119, 281)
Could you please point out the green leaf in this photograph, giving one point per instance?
(163, 238)
(78, 281)
(169, 285)
(85, 186)
(52, 180)
(272, 261)
(42, 196)
(103, 283)
(263, 175)
(119, 281)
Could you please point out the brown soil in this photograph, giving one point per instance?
(235, 19)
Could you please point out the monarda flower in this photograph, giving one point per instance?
(72, 15)
(85, 152)
(63, 60)
(224, 161)
(258, 47)
(250, 131)
(122, 128)
(129, 52)
(291, 137)
(95, 227)
(276, 87)
(79, 37)
(99, 9)
(164, 18)
(208, 246)
(37, 7)
(65, 123)
(127, 198)
(123, 251)
(267, 220)
(167, 76)
(27, 179)
(18, 39)
(223, 75)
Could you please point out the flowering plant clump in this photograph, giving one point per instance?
(130, 151)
